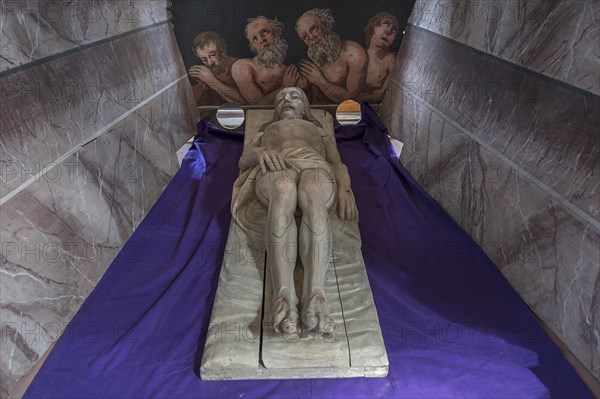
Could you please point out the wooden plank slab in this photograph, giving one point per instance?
(235, 350)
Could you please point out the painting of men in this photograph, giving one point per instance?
(337, 68)
(215, 81)
(380, 34)
(260, 77)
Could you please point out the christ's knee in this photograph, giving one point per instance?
(314, 211)
(283, 192)
(282, 205)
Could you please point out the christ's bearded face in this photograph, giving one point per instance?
(290, 104)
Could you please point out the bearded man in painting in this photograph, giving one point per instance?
(337, 68)
(215, 82)
(259, 78)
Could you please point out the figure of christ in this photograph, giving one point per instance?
(380, 33)
(337, 68)
(300, 167)
(215, 81)
(259, 78)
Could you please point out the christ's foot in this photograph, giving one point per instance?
(285, 317)
(315, 315)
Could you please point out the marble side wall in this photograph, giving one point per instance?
(88, 142)
(36, 29)
(548, 130)
(556, 38)
(48, 109)
(513, 158)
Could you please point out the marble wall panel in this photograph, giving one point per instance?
(513, 157)
(35, 29)
(556, 38)
(48, 109)
(61, 233)
(546, 129)
(549, 254)
(93, 90)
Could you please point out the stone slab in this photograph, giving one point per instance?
(286, 351)
(241, 345)
(233, 339)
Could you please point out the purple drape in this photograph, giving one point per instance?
(452, 325)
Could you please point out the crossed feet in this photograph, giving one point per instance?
(315, 316)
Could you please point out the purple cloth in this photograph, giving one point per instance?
(452, 325)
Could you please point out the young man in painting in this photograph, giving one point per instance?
(380, 33)
(338, 68)
(260, 77)
(215, 83)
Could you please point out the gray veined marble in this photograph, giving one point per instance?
(556, 38)
(546, 130)
(511, 155)
(49, 109)
(62, 231)
(35, 29)
(88, 143)
(546, 252)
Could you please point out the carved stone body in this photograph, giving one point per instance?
(299, 169)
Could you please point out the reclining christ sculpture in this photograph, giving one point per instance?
(294, 164)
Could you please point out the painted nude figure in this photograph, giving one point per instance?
(300, 167)
(215, 82)
(380, 33)
(337, 68)
(260, 78)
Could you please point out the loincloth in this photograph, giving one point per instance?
(246, 208)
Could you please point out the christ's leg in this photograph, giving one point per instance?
(279, 189)
(315, 195)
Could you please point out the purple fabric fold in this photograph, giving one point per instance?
(452, 325)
